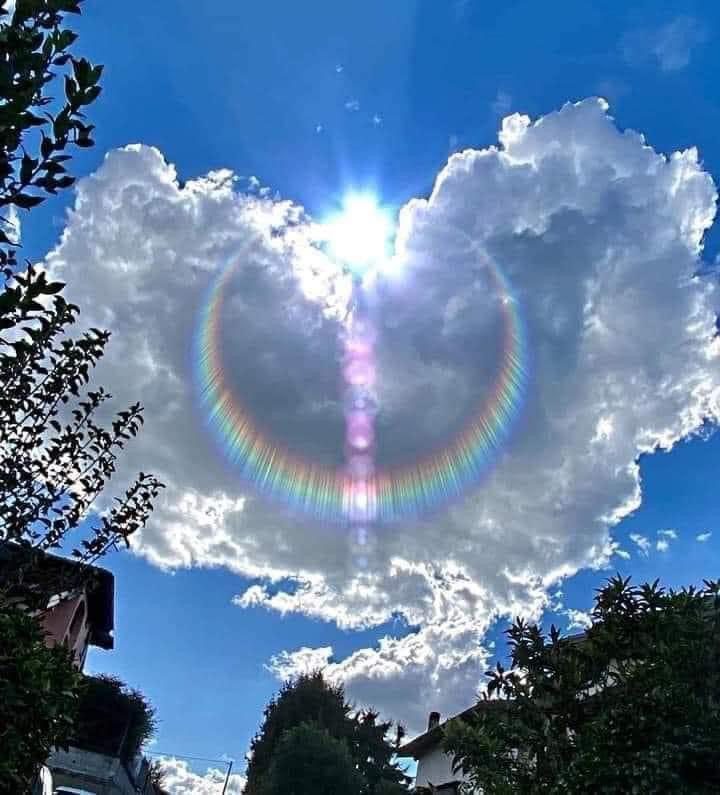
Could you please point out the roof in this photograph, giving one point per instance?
(433, 737)
(99, 586)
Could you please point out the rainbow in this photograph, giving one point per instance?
(389, 495)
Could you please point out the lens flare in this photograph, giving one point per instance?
(359, 235)
(359, 491)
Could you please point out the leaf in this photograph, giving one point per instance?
(26, 202)
(27, 167)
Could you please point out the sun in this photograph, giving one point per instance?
(359, 236)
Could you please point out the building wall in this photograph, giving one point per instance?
(92, 772)
(67, 622)
(435, 767)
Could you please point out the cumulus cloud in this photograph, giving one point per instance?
(578, 619)
(181, 780)
(289, 665)
(703, 537)
(599, 236)
(669, 46)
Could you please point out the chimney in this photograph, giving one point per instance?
(433, 720)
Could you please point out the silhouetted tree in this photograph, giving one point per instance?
(309, 699)
(308, 760)
(631, 706)
(112, 718)
(38, 699)
(55, 457)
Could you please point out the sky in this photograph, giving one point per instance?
(572, 145)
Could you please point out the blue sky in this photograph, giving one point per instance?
(314, 99)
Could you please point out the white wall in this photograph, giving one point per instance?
(436, 768)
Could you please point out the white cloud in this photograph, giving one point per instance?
(288, 665)
(599, 236)
(664, 539)
(579, 619)
(641, 542)
(703, 537)
(352, 105)
(670, 46)
(181, 780)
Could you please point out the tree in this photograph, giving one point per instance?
(309, 699)
(308, 760)
(157, 776)
(631, 706)
(38, 698)
(55, 457)
(112, 718)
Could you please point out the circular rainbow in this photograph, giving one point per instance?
(388, 495)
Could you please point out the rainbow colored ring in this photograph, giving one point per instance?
(387, 495)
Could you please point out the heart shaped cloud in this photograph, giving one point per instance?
(600, 236)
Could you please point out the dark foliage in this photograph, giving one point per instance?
(35, 129)
(38, 698)
(308, 760)
(311, 700)
(633, 706)
(112, 718)
(55, 457)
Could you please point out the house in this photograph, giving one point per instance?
(75, 603)
(91, 772)
(435, 767)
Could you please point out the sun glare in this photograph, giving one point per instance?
(359, 235)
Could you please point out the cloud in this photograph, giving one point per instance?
(579, 619)
(669, 46)
(703, 537)
(288, 665)
(641, 542)
(352, 105)
(599, 236)
(181, 780)
(664, 539)
(502, 103)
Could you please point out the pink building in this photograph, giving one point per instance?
(80, 613)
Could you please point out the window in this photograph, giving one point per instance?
(76, 624)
